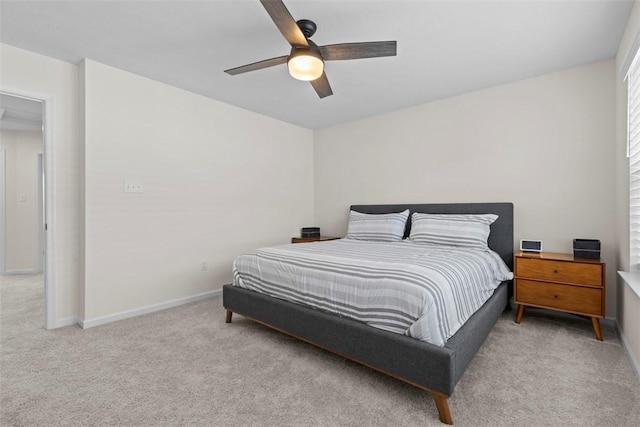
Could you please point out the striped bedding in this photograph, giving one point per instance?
(424, 291)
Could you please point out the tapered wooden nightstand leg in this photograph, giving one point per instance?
(596, 328)
(228, 318)
(519, 313)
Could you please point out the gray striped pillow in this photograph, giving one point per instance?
(470, 231)
(378, 228)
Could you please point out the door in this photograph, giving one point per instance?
(23, 116)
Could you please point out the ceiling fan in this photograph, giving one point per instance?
(306, 59)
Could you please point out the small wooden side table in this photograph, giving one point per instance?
(560, 282)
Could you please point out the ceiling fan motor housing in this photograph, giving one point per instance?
(307, 27)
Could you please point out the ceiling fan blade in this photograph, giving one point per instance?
(257, 65)
(342, 51)
(285, 22)
(322, 86)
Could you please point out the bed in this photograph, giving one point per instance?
(430, 367)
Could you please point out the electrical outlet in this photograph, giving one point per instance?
(133, 187)
(204, 266)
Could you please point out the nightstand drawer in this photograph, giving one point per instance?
(560, 297)
(559, 271)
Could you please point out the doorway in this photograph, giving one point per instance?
(24, 180)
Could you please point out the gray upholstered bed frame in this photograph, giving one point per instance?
(424, 365)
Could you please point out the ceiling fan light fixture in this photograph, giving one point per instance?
(305, 64)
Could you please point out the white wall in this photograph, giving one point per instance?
(628, 301)
(24, 71)
(545, 144)
(21, 199)
(218, 181)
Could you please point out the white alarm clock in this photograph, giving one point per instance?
(527, 245)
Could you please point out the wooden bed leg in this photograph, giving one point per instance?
(228, 318)
(442, 403)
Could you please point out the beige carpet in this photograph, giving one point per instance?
(185, 366)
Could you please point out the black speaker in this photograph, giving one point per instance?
(586, 248)
(310, 232)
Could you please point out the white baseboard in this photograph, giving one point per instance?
(609, 321)
(22, 271)
(627, 349)
(67, 321)
(90, 323)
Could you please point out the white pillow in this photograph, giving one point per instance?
(377, 227)
(470, 231)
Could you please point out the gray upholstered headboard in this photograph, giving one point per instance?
(500, 239)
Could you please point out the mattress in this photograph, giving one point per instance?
(424, 291)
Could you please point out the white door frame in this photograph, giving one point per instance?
(40, 222)
(49, 196)
(3, 193)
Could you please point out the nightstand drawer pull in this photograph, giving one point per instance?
(578, 273)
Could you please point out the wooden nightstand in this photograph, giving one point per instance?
(560, 282)
(312, 239)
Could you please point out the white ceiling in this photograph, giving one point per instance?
(445, 47)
